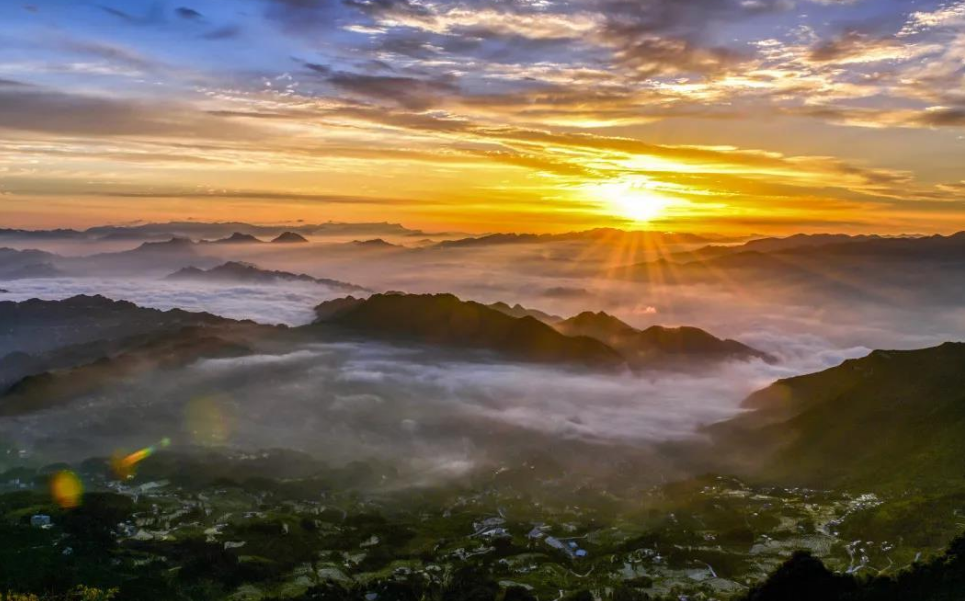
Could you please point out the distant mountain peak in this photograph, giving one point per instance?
(657, 345)
(600, 319)
(519, 310)
(176, 242)
(290, 238)
(374, 243)
(238, 238)
(241, 272)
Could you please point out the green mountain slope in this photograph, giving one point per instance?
(656, 346)
(444, 319)
(891, 420)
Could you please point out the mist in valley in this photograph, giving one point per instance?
(427, 414)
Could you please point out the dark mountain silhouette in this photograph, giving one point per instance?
(599, 235)
(237, 238)
(805, 578)
(657, 345)
(767, 245)
(810, 253)
(290, 238)
(374, 244)
(209, 230)
(38, 325)
(443, 319)
(518, 310)
(246, 273)
(891, 420)
(55, 351)
(58, 234)
(175, 244)
(136, 357)
(885, 271)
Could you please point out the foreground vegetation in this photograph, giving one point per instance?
(277, 525)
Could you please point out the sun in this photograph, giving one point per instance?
(642, 206)
(634, 200)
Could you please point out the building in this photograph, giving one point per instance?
(40, 521)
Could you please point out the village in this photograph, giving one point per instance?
(708, 539)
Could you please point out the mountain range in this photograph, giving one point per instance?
(445, 320)
(39, 325)
(53, 351)
(588, 338)
(236, 272)
(208, 230)
(889, 420)
(598, 235)
(658, 345)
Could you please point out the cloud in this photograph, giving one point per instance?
(941, 116)
(947, 14)
(418, 412)
(188, 14)
(36, 109)
(152, 16)
(410, 93)
(857, 47)
(449, 86)
(116, 55)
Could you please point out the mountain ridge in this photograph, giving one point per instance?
(887, 420)
(446, 320)
(658, 344)
(241, 272)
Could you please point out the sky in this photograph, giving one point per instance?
(725, 116)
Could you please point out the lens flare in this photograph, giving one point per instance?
(209, 420)
(66, 489)
(125, 466)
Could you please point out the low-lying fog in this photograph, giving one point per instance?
(424, 414)
(290, 303)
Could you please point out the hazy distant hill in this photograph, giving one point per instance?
(53, 351)
(39, 325)
(766, 245)
(148, 259)
(599, 235)
(657, 345)
(798, 249)
(518, 310)
(289, 238)
(891, 419)
(246, 273)
(140, 355)
(374, 244)
(237, 238)
(23, 264)
(58, 234)
(444, 319)
(889, 271)
(200, 230)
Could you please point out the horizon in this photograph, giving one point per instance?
(639, 229)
